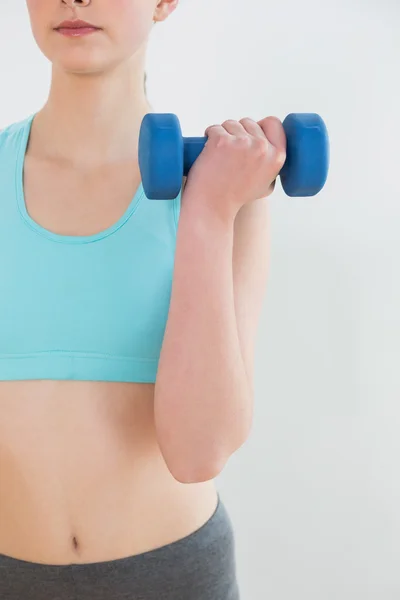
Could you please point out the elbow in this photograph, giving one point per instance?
(201, 465)
(197, 457)
(188, 472)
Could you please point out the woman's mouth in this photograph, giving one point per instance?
(76, 28)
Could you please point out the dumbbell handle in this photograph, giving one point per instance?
(192, 148)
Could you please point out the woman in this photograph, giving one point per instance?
(127, 327)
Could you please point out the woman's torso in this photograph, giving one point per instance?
(82, 478)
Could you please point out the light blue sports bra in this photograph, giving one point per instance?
(81, 307)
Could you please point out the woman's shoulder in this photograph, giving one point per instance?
(11, 133)
(14, 127)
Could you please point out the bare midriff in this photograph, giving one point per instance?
(82, 477)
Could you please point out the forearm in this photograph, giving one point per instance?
(203, 399)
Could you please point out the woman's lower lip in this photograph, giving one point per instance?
(77, 32)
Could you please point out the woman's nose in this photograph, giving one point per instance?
(73, 3)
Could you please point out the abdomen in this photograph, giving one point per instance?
(82, 478)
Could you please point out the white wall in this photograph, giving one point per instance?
(315, 493)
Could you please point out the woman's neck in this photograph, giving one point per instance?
(92, 120)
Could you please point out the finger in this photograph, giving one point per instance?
(215, 130)
(273, 129)
(234, 128)
(252, 128)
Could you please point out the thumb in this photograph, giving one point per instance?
(274, 132)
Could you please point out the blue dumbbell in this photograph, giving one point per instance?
(165, 156)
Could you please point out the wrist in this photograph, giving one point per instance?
(214, 213)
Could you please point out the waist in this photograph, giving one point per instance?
(199, 566)
(82, 478)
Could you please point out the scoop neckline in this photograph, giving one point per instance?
(57, 237)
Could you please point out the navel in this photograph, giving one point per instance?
(75, 544)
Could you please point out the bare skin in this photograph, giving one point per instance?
(82, 478)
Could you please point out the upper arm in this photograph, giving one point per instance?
(250, 271)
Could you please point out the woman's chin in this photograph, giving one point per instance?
(82, 65)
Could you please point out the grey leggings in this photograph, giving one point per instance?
(200, 566)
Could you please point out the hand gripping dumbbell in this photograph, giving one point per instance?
(165, 156)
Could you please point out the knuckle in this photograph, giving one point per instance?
(222, 141)
(262, 146)
(243, 142)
